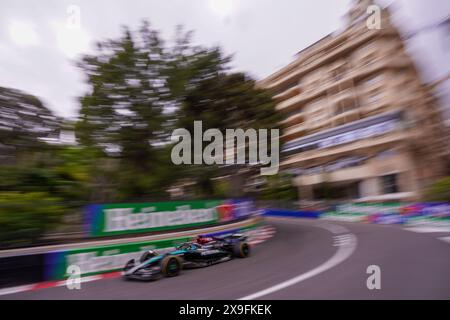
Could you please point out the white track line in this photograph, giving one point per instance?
(344, 251)
(426, 229)
(15, 289)
(446, 239)
(334, 228)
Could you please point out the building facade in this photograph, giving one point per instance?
(357, 121)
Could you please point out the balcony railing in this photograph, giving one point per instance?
(355, 75)
(293, 119)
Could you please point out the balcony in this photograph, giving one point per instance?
(293, 120)
(320, 124)
(390, 139)
(346, 117)
(375, 108)
(292, 103)
(369, 169)
(294, 132)
(356, 74)
(291, 92)
(339, 50)
(342, 96)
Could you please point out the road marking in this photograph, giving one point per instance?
(334, 228)
(342, 240)
(446, 239)
(15, 289)
(343, 218)
(426, 229)
(261, 235)
(345, 250)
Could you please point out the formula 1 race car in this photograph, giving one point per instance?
(153, 265)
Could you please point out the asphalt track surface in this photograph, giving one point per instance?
(306, 259)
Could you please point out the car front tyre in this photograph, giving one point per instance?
(171, 266)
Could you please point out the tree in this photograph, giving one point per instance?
(25, 217)
(123, 114)
(142, 90)
(439, 191)
(24, 121)
(280, 187)
(35, 197)
(205, 90)
(39, 181)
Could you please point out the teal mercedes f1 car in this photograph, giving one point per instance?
(152, 265)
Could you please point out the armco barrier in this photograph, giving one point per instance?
(20, 270)
(293, 214)
(92, 260)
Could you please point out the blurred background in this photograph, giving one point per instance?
(91, 91)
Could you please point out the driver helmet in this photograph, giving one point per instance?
(203, 240)
(148, 255)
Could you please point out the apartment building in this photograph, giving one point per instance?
(357, 121)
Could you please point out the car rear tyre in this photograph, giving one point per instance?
(241, 250)
(171, 266)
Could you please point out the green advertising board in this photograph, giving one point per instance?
(120, 218)
(97, 260)
(369, 208)
(359, 212)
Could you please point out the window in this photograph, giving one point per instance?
(388, 153)
(373, 98)
(339, 71)
(374, 80)
(316, 105)
(389, 184)
(368, 54)
(344, 106)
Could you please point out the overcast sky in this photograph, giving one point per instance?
(38, 48)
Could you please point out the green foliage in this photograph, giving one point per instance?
(62, 172)
(279, 187)
(439, 191)
(25, 217)
(141, 90)
(122, 114)
(221, 189)
(207, 92)
(35, 194)
(23, 119)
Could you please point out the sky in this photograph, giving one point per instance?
(40, 41)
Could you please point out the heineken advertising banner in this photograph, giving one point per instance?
(110, 258)
(117, 219)
(103, 259)
(381, 213)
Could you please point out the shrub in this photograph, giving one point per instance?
(439, 191)
(26, 217)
